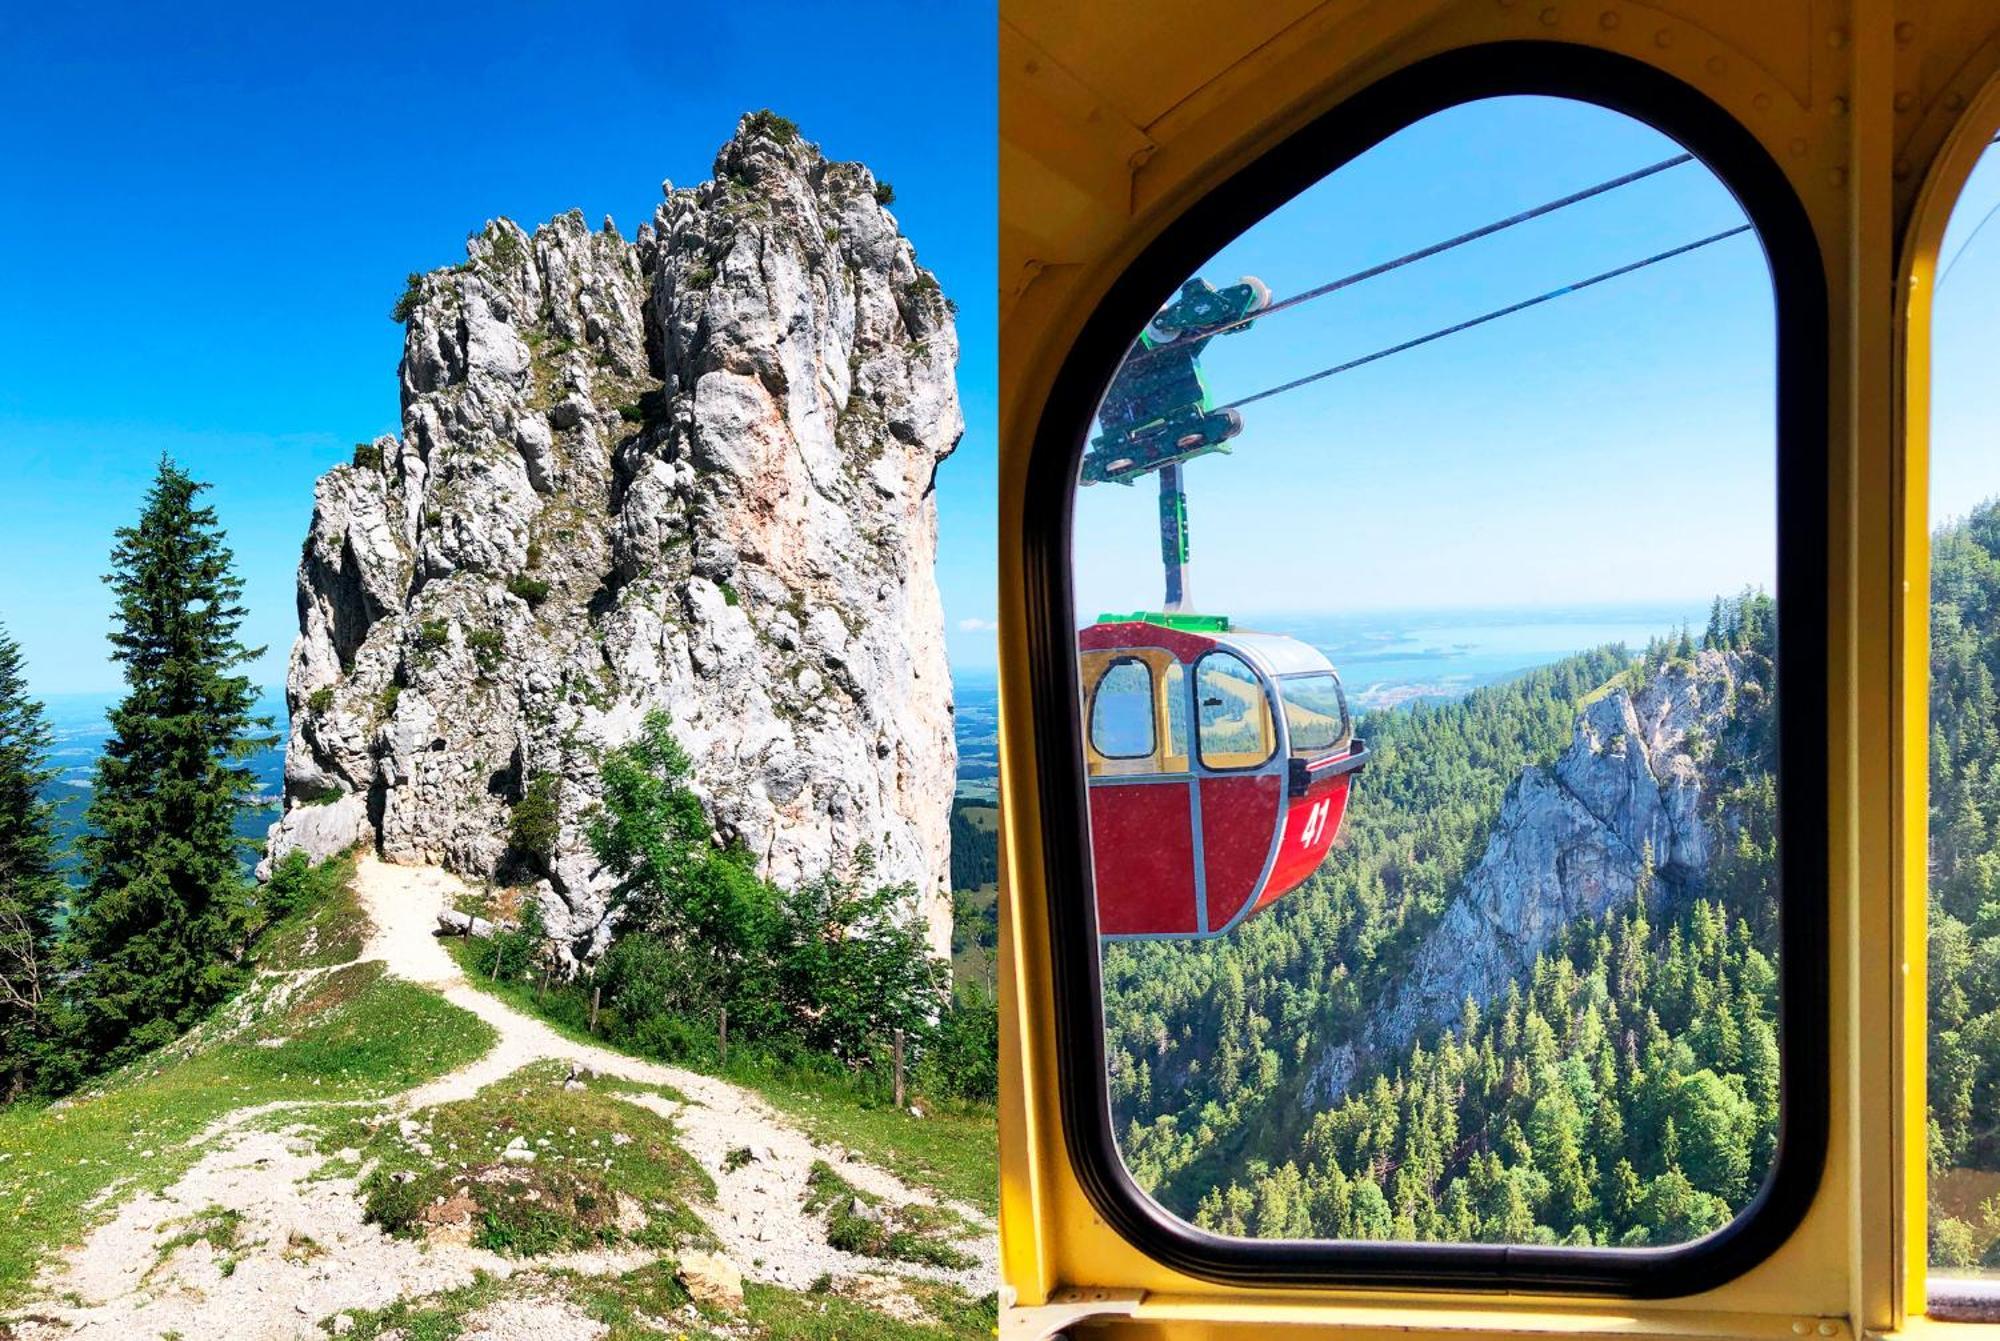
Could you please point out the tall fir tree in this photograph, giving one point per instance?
(31, 886)
(156, 927)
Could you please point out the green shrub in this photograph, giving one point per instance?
(505, 249)
(535, 824)
(885, 194)
(862, 1223)
(833, 967)
(485, 645)
(771, 126)
(960, 1056)
(699, 275)
(432, 634)
(386, 700)
(406, 306)
(530, 589)
(534, 554)
(320, 699)
(367, 456)
(729, 595)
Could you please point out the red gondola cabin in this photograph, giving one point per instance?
(1193, 831)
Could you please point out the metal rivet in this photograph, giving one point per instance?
(1716, 65)
(1839, 106)
(1837, 38)
(1800, 1328)
(1663, 38)
(1608, 20)
(1905, 101)
(1954, 101)
(1799, 147)
(1549, 17)
(1837, 177)
(1833, 1328)
(1906, 33)
(1033, 67)
(1762, 102)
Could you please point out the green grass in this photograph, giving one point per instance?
(215, 1225)
(351, 1034)
(589, 1148)
(330, 928)
(953, 1151)
(646, 1305)
(860, 1222)
(788, 1315)
(439, 1317)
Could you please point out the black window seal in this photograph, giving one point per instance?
(1263, 692)
(1619, 84)
(1152, 749)
(1346, 736)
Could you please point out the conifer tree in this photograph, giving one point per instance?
(157, 923)
(31, 888)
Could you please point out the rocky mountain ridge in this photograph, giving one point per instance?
(1636, 783)
(690, 472)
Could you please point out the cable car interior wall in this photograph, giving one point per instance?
(1168, 775)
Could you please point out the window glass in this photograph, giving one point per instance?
(1234, 714)
(1315, 714)
(1964, 908)
(1515, 978)
(1121, 714)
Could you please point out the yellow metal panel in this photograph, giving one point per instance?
(1112, 122)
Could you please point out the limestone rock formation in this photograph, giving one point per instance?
(690, 472)
(1636, 782)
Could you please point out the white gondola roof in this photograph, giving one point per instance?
(1276, 654)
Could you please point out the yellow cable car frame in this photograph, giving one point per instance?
(1873, 115)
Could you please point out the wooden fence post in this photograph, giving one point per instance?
(897, 1048)
(596, 995)
(722, 1036)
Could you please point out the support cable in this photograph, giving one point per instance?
(1498, 225)
(1495, 315)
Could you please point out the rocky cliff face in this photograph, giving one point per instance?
(1571, 841)
(689, 472)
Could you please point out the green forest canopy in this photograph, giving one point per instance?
(1626, 1093)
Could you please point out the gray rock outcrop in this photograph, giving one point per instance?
(1571, 841)
(690, 472)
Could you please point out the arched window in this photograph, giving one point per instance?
(1121, 711)
(1961, 914)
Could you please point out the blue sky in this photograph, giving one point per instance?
(1965, 393)
(214, 206)
(1611, 446)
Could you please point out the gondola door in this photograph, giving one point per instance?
(1142, 793)
(1241, 764)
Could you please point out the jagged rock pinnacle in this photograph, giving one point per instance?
(689, 472)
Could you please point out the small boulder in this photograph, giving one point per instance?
(711, 1280)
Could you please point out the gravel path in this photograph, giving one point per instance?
(306, 1253)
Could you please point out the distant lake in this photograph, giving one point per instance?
(1387, 658)
(80, 725)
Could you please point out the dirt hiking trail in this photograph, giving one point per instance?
(117, 1284)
